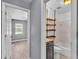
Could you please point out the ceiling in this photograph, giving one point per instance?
(54, 3)
(22, 3)
(58, 5)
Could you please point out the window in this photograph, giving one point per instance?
(18, 28)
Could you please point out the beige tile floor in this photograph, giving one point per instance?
(19, 50)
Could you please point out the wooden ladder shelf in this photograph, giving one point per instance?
(52, 26)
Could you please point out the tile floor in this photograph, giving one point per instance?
(19, 50)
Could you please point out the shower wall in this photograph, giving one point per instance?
(63, 33)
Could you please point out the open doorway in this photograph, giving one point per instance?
(57, 40)
(17, 32)
(19, 43)
(59, 29)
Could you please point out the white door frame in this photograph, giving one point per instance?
(43, 32)
(28, 21)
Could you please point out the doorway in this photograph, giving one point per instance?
(19, 39)
(57, 18)
(17, 33)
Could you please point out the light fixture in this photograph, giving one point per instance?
(67, 2)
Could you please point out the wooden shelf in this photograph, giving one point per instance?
(51, 19)
(50, 24)
(51, 36)
(51, 30)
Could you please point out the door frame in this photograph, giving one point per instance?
(43, 32)
(5, 4)
(74, 36)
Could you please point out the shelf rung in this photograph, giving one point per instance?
(50, 24)
(51, 19)
(51, 30)
(51, 36)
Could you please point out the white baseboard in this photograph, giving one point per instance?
(19, 40)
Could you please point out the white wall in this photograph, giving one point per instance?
(74, 32)
(17, 14)
(63, 29)
(35, 29)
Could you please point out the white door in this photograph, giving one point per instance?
(8, 17)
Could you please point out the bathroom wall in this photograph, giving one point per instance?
(63, 32)
(35, 29)
(63, 29)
